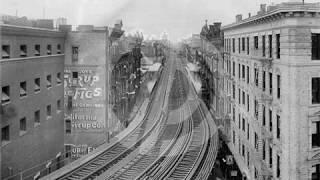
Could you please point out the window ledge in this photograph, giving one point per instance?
(36, 124)
(4, 143)
(6, 103)
(23, 97)
(59, 111)
(22, 133)
(49, 117)
(37, 91)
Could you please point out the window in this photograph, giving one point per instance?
(243, 44)
(248, 131)
(48, 111)
(23, 125)
(278, 166)
(243, 124)
(69, 105)
(248, 103)
(278, 126)
(37, 117)
(243, 72)
(75, 52)
(23, 89)
(239, 92)
(316, 172)
(316, 90)
(23, 50)
(270, 120)
(239, 43)
(74, 75)
(263, 149)
(270, 83)
(5, 134)
(270, 157)
(59, 105)
(234, 114)
(239, 72)
(263, 115)
(37, 85)
(248, 74)
(5, 52)
(278, 86)
(5, 95)
(278, 45)
(233, 91)
(243, 98)
(68, 150)
(234, 137)
(256, 42)
(315, 47)
(49, 49)
(59, 81)
(315, 134)
(256, 76)
(270, 46)
(256, 108)
(239, 121)
(49, 82)
(263, 46)
(256, 139)
(263, 81)
(233, 45)
(256, 174)
(58, 49)
(248, 46)
(234, 68)
(68, 126)
(248, 158)
(37, 50)
(243, 150)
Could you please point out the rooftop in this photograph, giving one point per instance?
(275, 10)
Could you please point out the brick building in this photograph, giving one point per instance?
(32, 64)
(273, 64)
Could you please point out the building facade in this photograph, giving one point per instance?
(273, 64)
(86, 61)
(31, 66)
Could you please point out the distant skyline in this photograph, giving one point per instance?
(179, 18)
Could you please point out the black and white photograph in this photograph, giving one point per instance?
(160, 90)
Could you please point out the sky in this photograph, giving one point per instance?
(178, 18)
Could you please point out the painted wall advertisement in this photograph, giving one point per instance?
(84, 106)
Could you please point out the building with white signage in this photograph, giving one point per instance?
(273, 65)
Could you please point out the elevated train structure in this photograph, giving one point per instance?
(177, 139)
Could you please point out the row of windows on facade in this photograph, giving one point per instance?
(5, 95)
(5, 131)
(244, 74)
(244, 44)
(242, 150)
(6, 50)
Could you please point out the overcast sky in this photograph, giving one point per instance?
(179, 18)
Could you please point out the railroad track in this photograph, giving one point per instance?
(128, 144)
(163, 142)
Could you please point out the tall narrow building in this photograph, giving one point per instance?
(274, 58)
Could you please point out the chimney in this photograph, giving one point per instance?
(249, 15)
(263, 8)
(238, 17)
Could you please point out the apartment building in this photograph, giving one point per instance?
(31, 117)
(273, 65)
